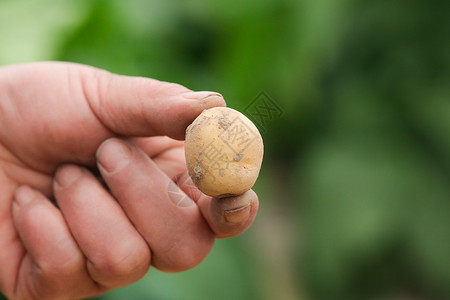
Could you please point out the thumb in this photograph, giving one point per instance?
(137, 106)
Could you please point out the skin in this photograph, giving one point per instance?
(66, 130)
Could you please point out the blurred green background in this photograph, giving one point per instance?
(355, 184)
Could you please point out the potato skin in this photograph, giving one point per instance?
(224, 152)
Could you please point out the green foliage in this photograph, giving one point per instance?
(355, 187)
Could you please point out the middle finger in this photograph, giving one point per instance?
(178, 235)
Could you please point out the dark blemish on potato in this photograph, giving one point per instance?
(238, 156)
(198, 171)
(224, 123)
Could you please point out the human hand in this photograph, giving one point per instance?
(56, 117)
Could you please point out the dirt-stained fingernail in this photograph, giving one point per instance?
(239, 215)
(24, 195)
(235, 210)
(113, 155)
(68, 174)
(200, 95)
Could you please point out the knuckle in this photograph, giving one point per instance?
(125, 260)
(63, 267)
(185, 257)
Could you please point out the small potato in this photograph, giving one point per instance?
(224, 152)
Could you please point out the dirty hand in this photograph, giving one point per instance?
(66, 132)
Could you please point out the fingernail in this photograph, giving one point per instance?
(200, 95)
(68, 175)
(23, 195)
(239, 215)
(113, 155)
